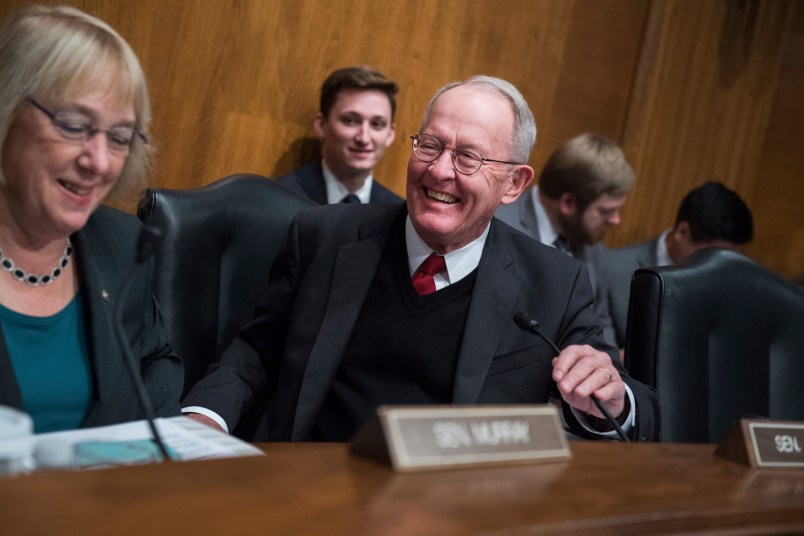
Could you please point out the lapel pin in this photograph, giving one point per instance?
(105, 294)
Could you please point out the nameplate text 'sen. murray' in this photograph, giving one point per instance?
(417, 438)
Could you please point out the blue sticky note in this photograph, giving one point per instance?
(111, 454)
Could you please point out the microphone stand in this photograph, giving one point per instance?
(148, 240)
(529, 323)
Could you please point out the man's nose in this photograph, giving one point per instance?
(443, 167)
(363, 135)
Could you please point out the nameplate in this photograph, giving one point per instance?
(763, 443)
(418, 438)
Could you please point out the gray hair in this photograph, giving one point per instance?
(59, 52)
(524, 136)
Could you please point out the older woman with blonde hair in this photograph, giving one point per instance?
(74, 119)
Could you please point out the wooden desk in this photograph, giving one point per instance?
(300, 489)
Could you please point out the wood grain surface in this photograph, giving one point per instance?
(313, 489)
(694, 91)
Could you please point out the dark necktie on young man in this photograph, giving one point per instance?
(562, 245)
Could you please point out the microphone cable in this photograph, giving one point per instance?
(148, 240)
(528, 323)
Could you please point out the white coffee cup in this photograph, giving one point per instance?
(16, 440)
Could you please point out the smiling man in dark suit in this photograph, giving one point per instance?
(414, 303)
(355, 125)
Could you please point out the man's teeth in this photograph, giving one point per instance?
(440, 196)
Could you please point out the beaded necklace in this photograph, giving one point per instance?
(34, 280)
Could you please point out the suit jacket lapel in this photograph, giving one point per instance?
(588, 255)
(527, 215)
(312, 182)
(490, 314)
(375, 196)
(98, 303)
(9, 389)
(650, 256)
(355, 266)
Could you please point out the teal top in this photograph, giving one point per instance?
(51, 364)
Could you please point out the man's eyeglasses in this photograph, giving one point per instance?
(466, 160)
(77, 127)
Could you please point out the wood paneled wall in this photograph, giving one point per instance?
(694, 91)
(718, 96)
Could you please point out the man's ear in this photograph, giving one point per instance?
(320, 125)
(391, 135)
(519, 181)
(681, 242)
(681, 232)
(567, 204)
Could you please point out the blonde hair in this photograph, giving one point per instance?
(587, 166)
(59, 52)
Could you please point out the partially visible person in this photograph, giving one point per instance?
(711, 215)
(74, 118)
(579, 195)
(414, 302)
(355, 124)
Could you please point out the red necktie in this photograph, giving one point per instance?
(423, 277)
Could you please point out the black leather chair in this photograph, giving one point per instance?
(212, 265)
(720, 337)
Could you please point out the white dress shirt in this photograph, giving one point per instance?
(662, 256)
(336, 191)
(460, 262)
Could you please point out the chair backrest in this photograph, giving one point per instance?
(212, 265)
(720, 337)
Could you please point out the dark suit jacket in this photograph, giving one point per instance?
(104, 252)
(309, 181)
(521, 215)
(620, 265)
(318, 285)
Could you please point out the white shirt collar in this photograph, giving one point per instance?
(337, 191)
(460, 262)
(662, 257)
(547, 235)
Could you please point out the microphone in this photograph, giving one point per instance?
(148, 240)
(528, 323)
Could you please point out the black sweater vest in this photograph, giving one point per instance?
(403, 349)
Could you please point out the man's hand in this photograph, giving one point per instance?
(580, 371)
(203, 419)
